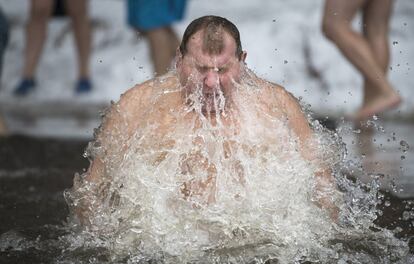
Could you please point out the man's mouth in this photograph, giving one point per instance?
(211, 102)
(210, 95)
(211, 98)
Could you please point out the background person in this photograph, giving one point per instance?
(36, 31)
(153, 19)
(4, 38)
(368, 52)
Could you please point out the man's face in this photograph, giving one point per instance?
(212, 75)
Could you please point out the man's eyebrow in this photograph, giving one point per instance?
(198, 65)
(226, 65)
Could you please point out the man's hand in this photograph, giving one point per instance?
(324, 193)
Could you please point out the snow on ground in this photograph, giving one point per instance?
(282, 38)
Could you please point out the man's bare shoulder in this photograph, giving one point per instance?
(278, 94)
(134, 105)
(140, 96)
(292, 109)
(137, 93)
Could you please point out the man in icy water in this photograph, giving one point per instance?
(208, 141)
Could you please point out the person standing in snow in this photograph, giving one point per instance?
(368, 52)
(36, 31)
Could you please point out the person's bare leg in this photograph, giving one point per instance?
(36, 31)
(78, 11)
(376, 16)
(3, 128)
(337, 19)
(375, 28)
(174, 42)
(160, 47)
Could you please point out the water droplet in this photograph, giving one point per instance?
(402, 157)
(375, 117)
(285, 61)
(394, 42)
(404, 146)
(387, 203)
(406, 215)
(398, 229)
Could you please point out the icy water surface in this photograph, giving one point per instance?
(32, 209)
(201, 192)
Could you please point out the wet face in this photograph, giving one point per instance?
(212, 75)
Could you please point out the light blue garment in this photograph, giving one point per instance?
(151, 14)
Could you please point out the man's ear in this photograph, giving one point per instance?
(243, 56)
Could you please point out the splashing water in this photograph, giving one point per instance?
(226, 185)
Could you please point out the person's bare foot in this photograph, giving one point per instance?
(379, 104)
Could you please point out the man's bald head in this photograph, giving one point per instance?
(213, 29)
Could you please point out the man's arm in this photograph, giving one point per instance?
(108, 147)
(325, 183)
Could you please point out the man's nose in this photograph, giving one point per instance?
(211, 79)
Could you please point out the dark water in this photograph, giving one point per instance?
(34, 173)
